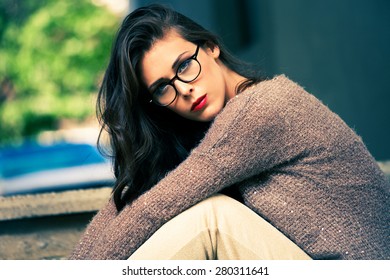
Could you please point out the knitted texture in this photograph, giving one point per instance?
(295, 163)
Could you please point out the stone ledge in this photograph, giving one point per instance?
(53, 203)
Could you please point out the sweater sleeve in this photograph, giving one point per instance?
(99, 222)
(244, 140)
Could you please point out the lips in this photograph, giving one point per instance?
(199, 103)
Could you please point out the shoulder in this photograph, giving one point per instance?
(274, 91)
(260, 108)
(265, 99)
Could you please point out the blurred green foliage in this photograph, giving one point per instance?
(52, 58)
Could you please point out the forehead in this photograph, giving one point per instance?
(157, 62)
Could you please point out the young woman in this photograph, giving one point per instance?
(188, 122)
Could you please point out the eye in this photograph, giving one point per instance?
(160, 90)
(184, 66)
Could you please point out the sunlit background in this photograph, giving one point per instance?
(53, 54)
(52, 58)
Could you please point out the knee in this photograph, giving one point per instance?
(213, 205)
(217, 201)
(214, 211)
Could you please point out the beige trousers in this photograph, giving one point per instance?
(218, 228)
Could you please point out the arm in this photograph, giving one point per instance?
(243, 141)
(99, 222)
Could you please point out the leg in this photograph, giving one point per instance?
(218, 228)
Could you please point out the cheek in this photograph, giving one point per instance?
(214, 76)
(175, 109)
(178, 108)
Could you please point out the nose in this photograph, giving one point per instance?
(183, 88)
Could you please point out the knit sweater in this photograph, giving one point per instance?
(293, 161)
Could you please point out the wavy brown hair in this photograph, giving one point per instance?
(146, 140)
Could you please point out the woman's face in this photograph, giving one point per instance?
(201, 99)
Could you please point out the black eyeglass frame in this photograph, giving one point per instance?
(171, 81)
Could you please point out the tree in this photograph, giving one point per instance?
(52, 56)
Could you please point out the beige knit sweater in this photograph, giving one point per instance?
(294, 162)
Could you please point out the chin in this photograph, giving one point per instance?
(209, 115)
(208, 119)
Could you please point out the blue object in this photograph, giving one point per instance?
(35, 168)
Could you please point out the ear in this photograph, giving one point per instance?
(212, 50)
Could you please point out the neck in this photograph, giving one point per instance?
(233, 80)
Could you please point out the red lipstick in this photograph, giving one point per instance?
(199, 103)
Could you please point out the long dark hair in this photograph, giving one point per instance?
(146, 140)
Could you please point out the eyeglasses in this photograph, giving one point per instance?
(187, 71)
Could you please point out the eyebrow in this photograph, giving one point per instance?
(174, 66)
